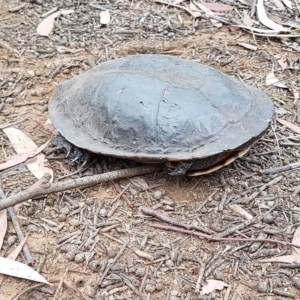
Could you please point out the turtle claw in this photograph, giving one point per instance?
(72, 151)
(180, 168)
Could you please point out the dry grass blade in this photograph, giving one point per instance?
(290, 125)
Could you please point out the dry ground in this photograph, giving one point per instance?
(31, 67)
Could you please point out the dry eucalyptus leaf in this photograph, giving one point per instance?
(296, 240)
(213, 285)
(202, 7)
(216, 23)
(284, 259)
(26, 148)
(288, 3)
(104, 17)
(248, 46)
(3, 226)
(272, 80)
(195, 10)
(279, 4)
(283, 62)
(217, 6)
(139, 181)
(46, 26)
(296, 96)
(17, 269)
(264, 19)
(247, 19)
(290, 125)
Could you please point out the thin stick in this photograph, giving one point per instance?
(144, 280)
(217, 239)
(56, 295)
(20, 235)
(44, 187)
(152, 212)
(281, 169)
(112, 263)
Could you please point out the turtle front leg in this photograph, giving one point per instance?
(180, 168)
(72, 151)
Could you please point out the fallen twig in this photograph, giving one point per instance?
(281, 169)
(162, 217)
(44, 187)
(217, 239)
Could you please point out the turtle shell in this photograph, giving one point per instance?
(158, 108)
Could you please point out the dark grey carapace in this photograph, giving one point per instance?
(157, 108)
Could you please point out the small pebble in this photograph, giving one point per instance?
(159, 286)
(32, 228)
(149, 288)
(11, 240)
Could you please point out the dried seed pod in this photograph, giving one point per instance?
(263, 287)
(140, 272)
(11, 240)
(149, 288)
(62, 217)
(70, 255)
(32, 228)
(95, 265)
(80, 257)
(89, 201)
(169, 263)
(79, 281)
(111, 253)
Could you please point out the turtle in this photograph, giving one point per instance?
(156, 108)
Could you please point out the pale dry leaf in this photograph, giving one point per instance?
(279, 4)
(22, 145)
(296, 96)
(264, 19)
(62, 49)
(195, 10)
(3, 226)
(213, 285)
(283, 62)
(202, 7)
(288, 3)
(240, 211)
(248, 46)
(13, 255)
(46, 26)
(50, 127)
(290, 125)
(216, 23)
(177, 1)
(245, 2)
(140, 182)
(272, 80)
(17, 269)
(104, 17)
(217, 6)
(247, 19)
(292, 259)
(296, 240)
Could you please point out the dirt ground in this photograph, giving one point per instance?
(74, 235)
